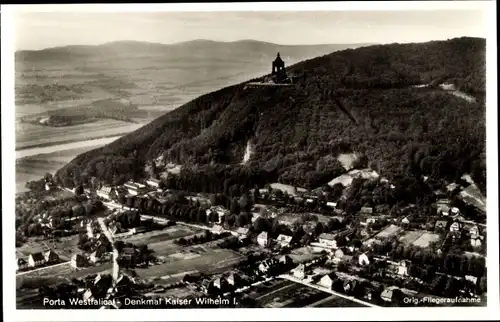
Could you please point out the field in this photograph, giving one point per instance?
(286, 188)
(386, 233)
(65, 247)
(419, 238)
(30, 135)
(212, 261)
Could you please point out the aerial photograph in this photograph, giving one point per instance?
(258, 159)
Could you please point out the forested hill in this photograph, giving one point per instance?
(362, 100)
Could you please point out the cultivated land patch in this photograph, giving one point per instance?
(411, 236)
(208, 262)
(159, 236)
(347, 178)
(425, 239)
(65, 247)
(30, 135)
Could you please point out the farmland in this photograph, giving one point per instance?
(65, 247)
(31, 135)
(419, 238)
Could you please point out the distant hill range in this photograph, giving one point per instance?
(243, 51)
(373, 101)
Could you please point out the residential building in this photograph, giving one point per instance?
(387, 294)
(284, 240)
(242, 232)
(51, 257)
(262, 239)
(286, 260)
(300, 271)
(338, 255)
(78, 261)
(456, 226)
(138, 230)
(441, 225)
(88, 296)
(36, 259)
(405, 221)
(96, 255)
(474, 231)
(21, 264)
(328, 280)
(402, 268)
(363, 259)
(476, 241)
(472, 279)
(366, 210)
(106, 192)
(134, 188)
(234, 279)
(454, 211)
(327, 240)
(217, 229)
(331, 204)
(349, 286)
(153, 183)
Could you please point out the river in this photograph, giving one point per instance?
(65, 146)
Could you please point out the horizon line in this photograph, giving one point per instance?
(231, 41)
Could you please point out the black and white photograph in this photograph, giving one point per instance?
(248, 157)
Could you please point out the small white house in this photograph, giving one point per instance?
(36, 259)
(284, 240)
(106, 192)
(363, 260)
(331, 204)
(402, 269)
(300, 271)
(327, 280)
(153, 183)
(262, 239)
(327, 240)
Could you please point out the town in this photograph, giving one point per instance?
(271, 246)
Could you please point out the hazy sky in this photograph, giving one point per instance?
(50, 29)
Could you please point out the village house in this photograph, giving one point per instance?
(474, 231)
(262, 239)
(300, 271)
(21, 264)
(405, 221)
(285, 260)
(284, 240)
(78, 261)
(106, 192)
(476, 241)
(88, 296)
(363, 259)
(441, 225)
(219, 283)
(328, 280)
(234, 279)
(366, 210)
(134, 188)
(96, 255)
(402, 268)
(36, 259)
(51, 257)
(217, 229)
(349, 286)
(456, 227)
(327, 240)
(330, 204)
(153, 183)
(242, 233)
(387, 294)
(454, 211)
(138, 230)
(365, 220)
(338, 255)
(472, 279)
